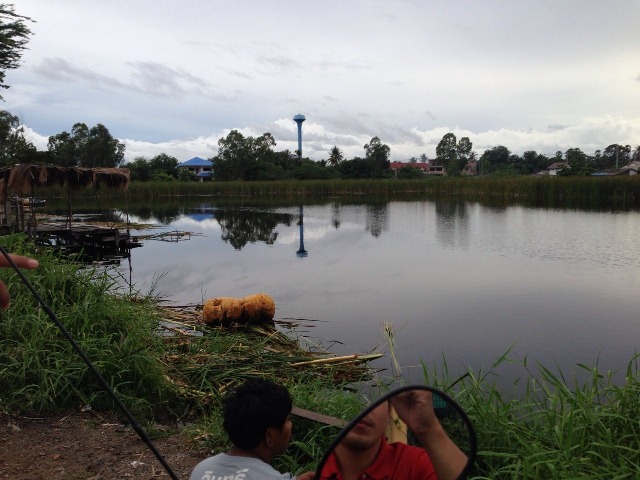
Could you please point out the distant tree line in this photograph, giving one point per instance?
(248, 158)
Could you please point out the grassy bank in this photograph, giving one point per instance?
(155, 372)
(579, 192)
(559, 428)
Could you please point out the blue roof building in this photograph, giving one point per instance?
(203, 169)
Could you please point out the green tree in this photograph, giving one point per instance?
(447, 154)
(356, 168)
(165, 164)
(140, 169)
(100, 149)
(14, 147)
(310, 170)
(286, 159)
(578, 163)
(494, 159)
(185, 175)
(614, 156)
(86, 147)
(464, 149)
(244, 158)
(62, 149)
(408, 172)
(532, 162)
(14, 36)
(377, 153)
(335, 157)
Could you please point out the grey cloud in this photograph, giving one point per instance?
(149, 78)
(163, 81)
(347, 124)
(331, 64)
(60, 70)
(555, 128)
(279, 62)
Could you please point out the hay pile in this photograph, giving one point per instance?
(21, 179)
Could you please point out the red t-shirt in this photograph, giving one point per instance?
(395, 461)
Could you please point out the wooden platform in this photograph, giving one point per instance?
(91, 239)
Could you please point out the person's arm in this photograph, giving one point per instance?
(21, 262)
(305, 476)
(415, 408)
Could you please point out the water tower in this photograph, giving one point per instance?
(299, 119)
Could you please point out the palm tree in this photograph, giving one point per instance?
(335, 157)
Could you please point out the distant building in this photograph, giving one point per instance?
(553, 169)
(426, 168)
(471, 168)
(203, 169)
(632, 169)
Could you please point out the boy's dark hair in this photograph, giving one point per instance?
(252, 408)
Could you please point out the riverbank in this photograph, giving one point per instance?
(555, 427)
(162, 362)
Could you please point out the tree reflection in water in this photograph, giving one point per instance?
(242, 226)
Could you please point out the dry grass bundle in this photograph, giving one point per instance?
(112, 178)
(204, 361)
(22, 178)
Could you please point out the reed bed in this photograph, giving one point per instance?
(618, 192)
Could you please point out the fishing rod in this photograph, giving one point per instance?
(136, 426)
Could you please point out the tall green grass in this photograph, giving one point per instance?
(558, 428)
(39, 370)
(573, 192)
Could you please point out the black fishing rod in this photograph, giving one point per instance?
(139, 430)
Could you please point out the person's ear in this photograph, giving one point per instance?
(268, 437)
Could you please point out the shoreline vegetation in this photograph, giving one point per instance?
(614, 192)
(557, 428)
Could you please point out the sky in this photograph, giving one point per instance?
(176, 76)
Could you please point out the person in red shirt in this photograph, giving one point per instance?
(365, 454)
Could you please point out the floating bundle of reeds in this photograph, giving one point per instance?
(204, 361)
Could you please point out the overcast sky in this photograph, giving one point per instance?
(175, 76)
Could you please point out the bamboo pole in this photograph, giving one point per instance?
(344, 358)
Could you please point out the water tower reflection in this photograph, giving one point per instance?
(301, 253)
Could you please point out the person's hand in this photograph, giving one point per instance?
(306, 476)
(21, 262)
(415, 409)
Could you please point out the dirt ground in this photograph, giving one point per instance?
(89, 446)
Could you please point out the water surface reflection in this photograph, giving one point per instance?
(460, 280)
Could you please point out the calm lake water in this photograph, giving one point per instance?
(461, 281)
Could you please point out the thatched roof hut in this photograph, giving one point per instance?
(21, 179)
